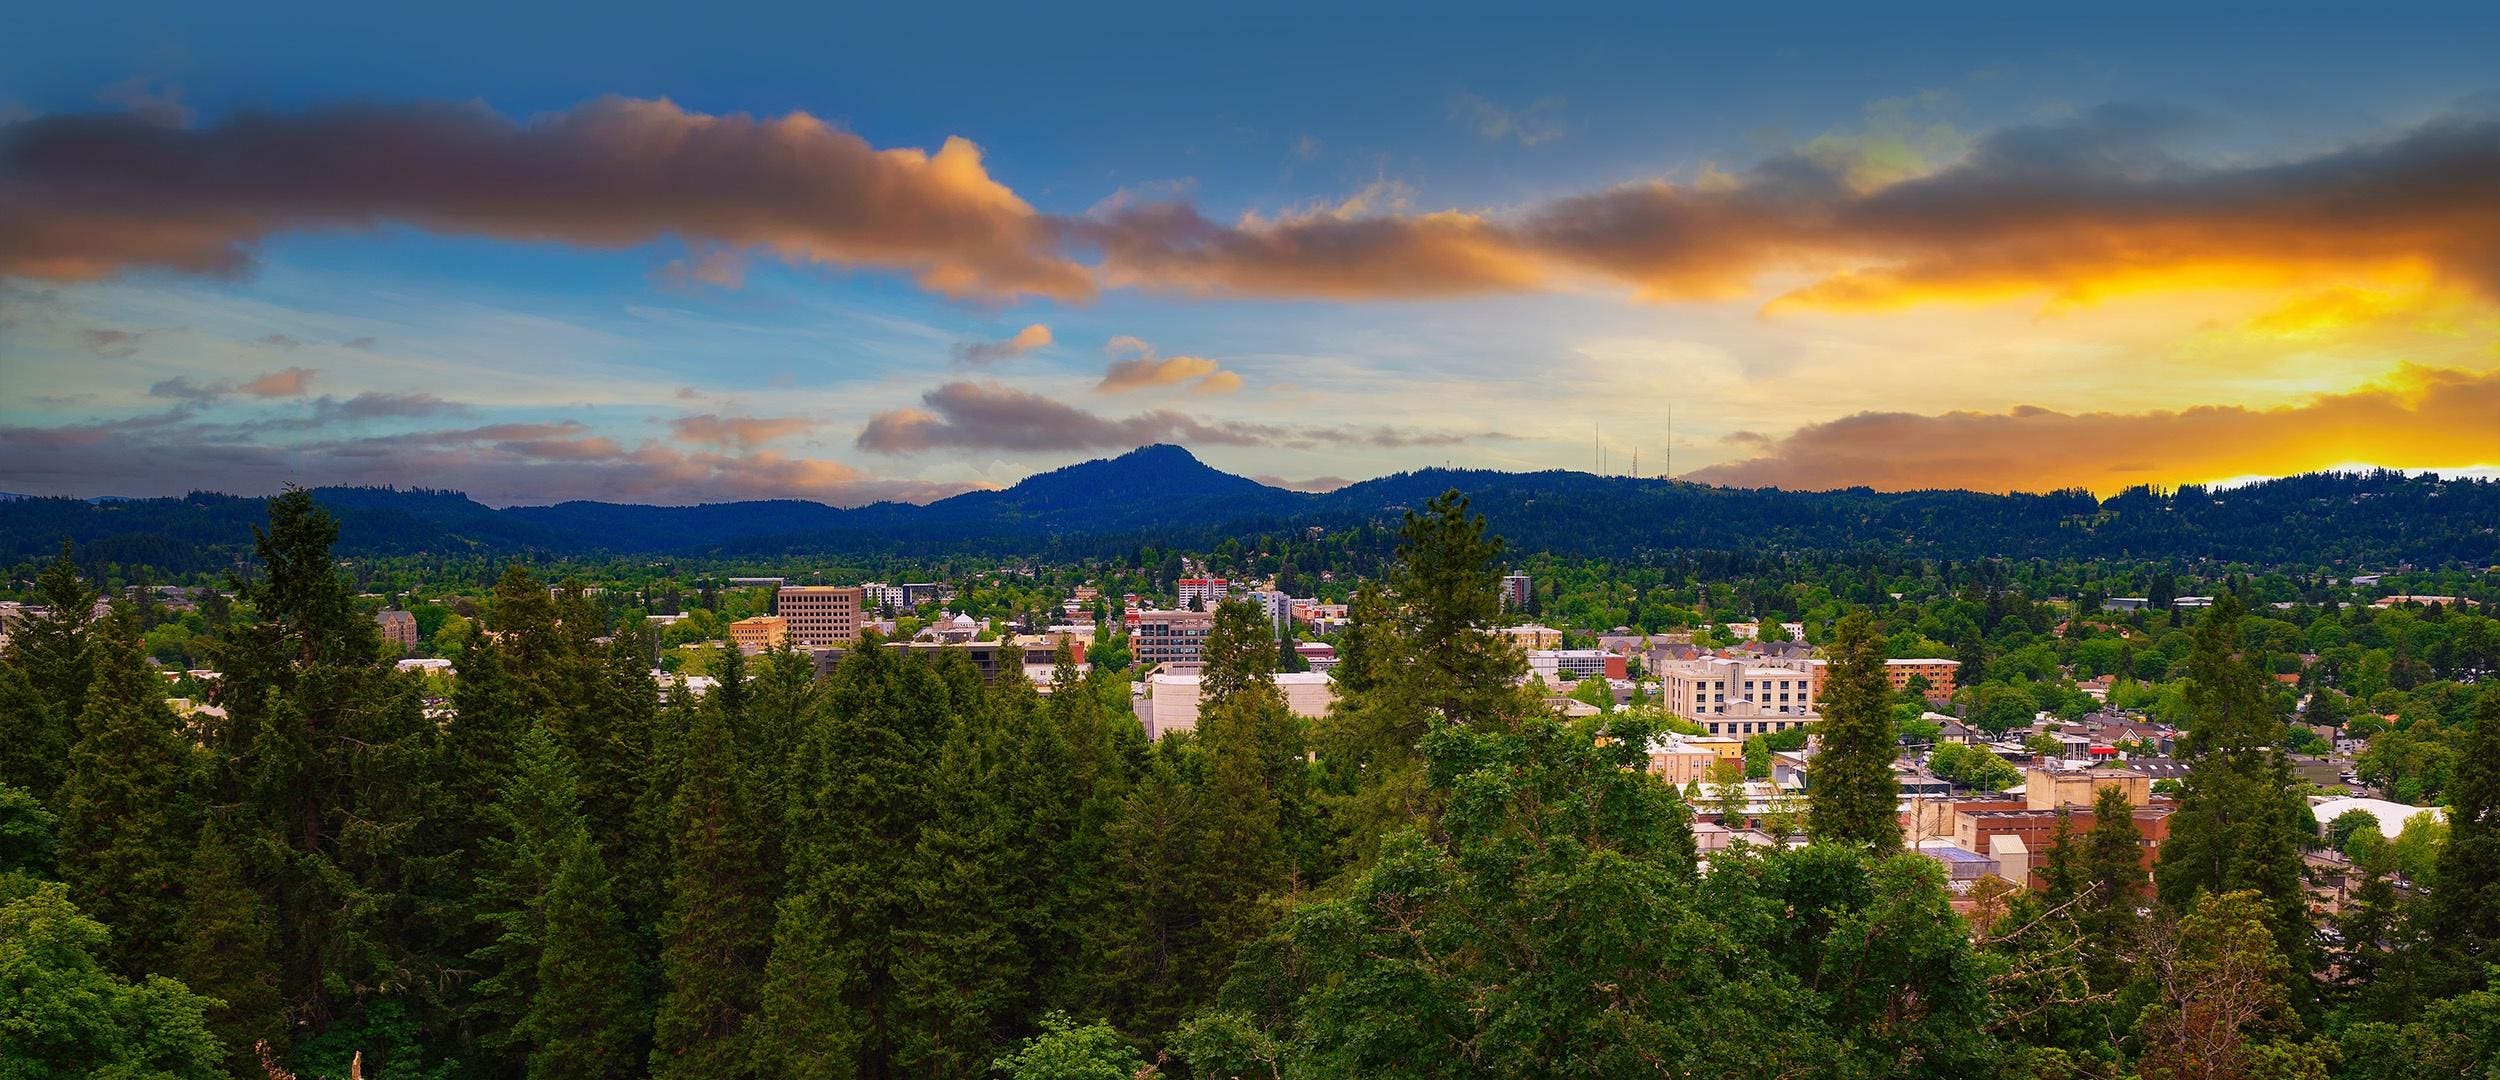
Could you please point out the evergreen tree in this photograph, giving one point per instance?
(585, 1019)
(51, 648)
(221, 951)
(862, 787)
(2240, 823)
(1447, 590)
(1856, 798)
(536, 814)
(719, 922)
(43, 680)
(2463, 908)
(29, 837)
(129, 806)
(34, 739)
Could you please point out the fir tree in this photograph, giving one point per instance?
(2240, 823)
(585, 1019)
(2463, 908)
(34, 739)
(129, 806)
(51, 648)
(1856, 798)
(221, 951)
(720, 914)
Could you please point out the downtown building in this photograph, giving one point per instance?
(817, 615)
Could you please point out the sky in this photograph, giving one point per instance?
(660, 254)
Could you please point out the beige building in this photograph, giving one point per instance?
(1681, 761)
(820, 614)
(1532, 636)
(1738, 698)
(2049, 789)
(1174, 699)
(760, 632)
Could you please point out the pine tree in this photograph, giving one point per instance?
(221, 951)
(129, 806)
(719, 923)
(50, 648)
(1447, 588)
(29, 836)
(862, 787)
(538, 810)
(585, 1020)
(1856, 798)
(43, 680)
(34, 739)
(2463, 908)
(2240, 822)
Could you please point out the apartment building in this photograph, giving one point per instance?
(1169, 637)
(1277, 605)
(1938, 673)
(1173, 699)
(759, 633)
(399, 628)
(1204, 591)
(1515, 590)
(821, 614)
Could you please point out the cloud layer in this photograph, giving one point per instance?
(990, 416)
(2069, 211)
(2421, 419)
(83, 197)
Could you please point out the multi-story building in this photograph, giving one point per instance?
(759, 633)
(1737, 698)
(1173, 699)
(1938, 673)
(1576, 663)
(821, 614)
(1515, 589)
(1679, 762)
(1204, 591)
(399, 628)
(1279, 607)
(880, 597)
(757, 582)
(1169, 637)
(1532, 636)
(916, 593)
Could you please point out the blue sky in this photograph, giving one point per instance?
(1414, 236)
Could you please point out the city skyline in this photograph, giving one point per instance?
(849, 258)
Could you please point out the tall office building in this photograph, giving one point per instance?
(1169, 637)
(821, 614)
(1515, 592)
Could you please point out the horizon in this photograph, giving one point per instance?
(248, 250)
(2473, 475)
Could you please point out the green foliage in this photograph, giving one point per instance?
(2240, 825)
(1967, 765)
(1064, 1051)
(719, 920)
(63, 1015)
(1856, 798)
(129, 805)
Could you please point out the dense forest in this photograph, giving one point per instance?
(568, 870)
(1162, 496)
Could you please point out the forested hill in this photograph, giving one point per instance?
(1164, 493)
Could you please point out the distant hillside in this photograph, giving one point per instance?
(1165, 493)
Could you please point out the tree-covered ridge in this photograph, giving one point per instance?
(1162, 495)
(901, 870)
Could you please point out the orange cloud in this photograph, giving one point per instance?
(1036, 336)
(1144, 369)
(2070, 212)
(745, 431)
(290, 382)
(2421, 418)
(86, 197)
